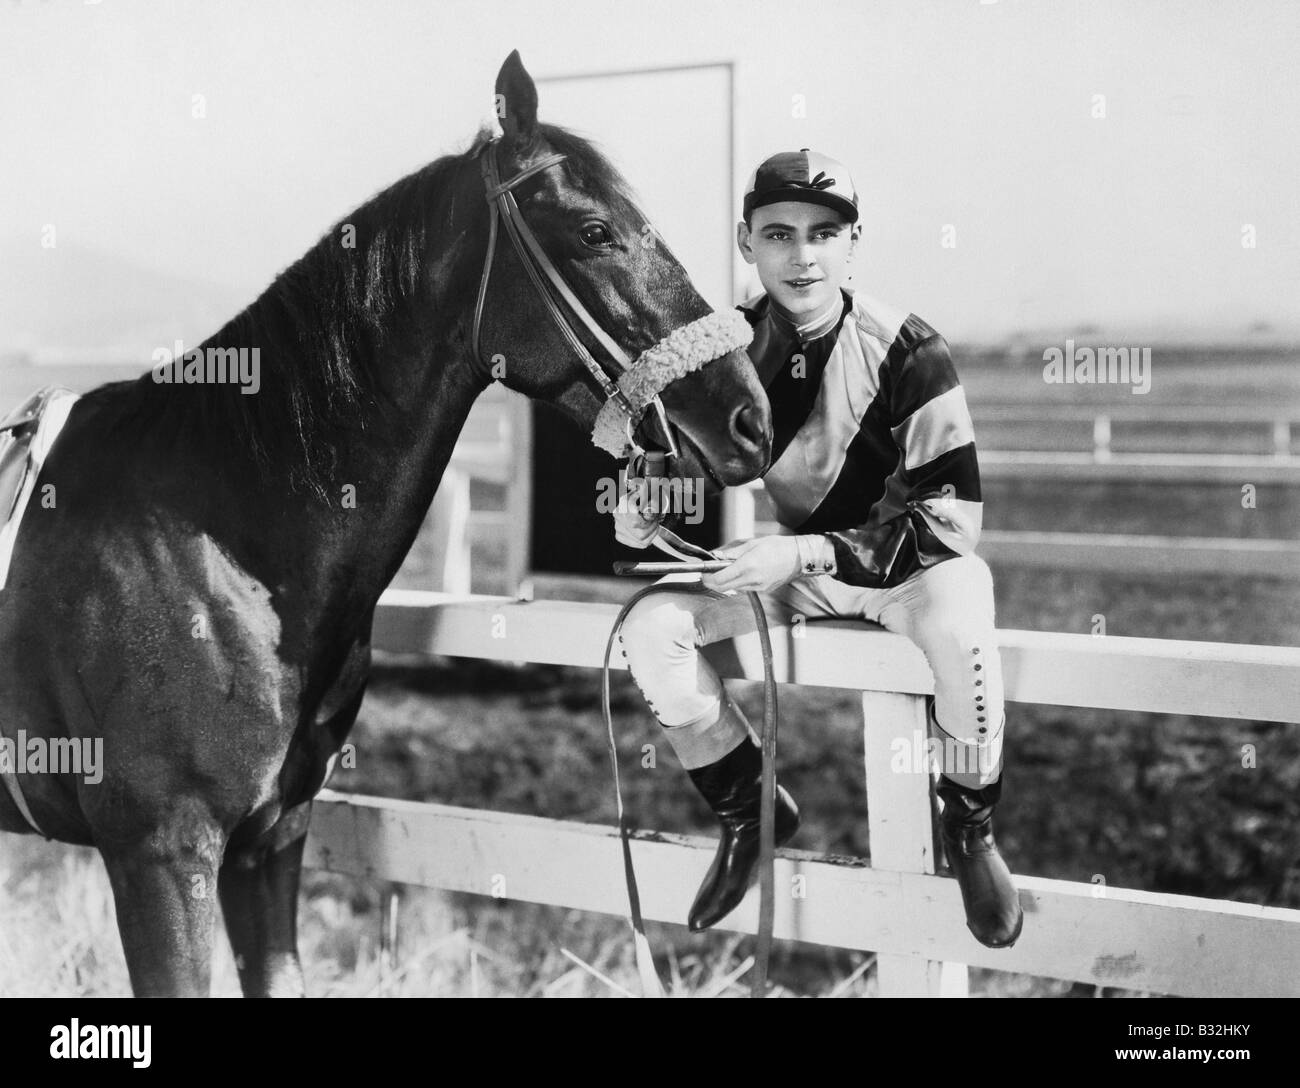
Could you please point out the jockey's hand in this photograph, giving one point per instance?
(758, 565)
(634, 526)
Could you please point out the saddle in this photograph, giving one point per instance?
(27, 435)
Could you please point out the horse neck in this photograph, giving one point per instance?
(386, 479)
(342, 546)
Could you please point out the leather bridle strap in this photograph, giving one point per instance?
(711, 330)
(639, 383)
(541, 271)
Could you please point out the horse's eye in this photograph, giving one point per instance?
(596, 235)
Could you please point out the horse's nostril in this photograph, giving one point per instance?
(745, 427)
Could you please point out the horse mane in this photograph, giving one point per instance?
(320, 326)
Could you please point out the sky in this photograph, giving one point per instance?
(963, 121)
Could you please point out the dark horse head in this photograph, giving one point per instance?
(627, 279)
(195, 599)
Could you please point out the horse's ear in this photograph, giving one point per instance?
(516, 104)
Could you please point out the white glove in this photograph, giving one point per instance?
(767, 562)
(633, 527)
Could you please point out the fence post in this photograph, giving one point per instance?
(519, 494)
(737, 513)
(1281, 438)
(902, 832)
(1101, 439)
(448, 542)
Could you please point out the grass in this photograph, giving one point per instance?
(60, 940)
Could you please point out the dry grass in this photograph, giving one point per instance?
(59, 939)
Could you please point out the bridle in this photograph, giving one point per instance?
(541, 271)
(637, 387)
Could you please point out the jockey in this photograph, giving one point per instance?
(875, 483)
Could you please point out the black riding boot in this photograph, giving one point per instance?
(993, 911)
(733, 788)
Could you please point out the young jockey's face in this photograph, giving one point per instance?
(802, 252)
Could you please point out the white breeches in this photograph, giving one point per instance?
(947, 610)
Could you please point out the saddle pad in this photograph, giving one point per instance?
(26, 437)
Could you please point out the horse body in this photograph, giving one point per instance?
(212, 630)
(199, 597)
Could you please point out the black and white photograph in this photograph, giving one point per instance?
(693, 499)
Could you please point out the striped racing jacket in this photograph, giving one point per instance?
(873, 443)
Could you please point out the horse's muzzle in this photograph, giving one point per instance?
(683, 351)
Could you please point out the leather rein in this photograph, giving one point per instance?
(548, 284)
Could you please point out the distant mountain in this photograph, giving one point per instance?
(73, 304)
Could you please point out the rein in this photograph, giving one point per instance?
(636, 389)
(669, 542)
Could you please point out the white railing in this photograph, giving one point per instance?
(1129, 553)
(1103, 462)
(895, 906)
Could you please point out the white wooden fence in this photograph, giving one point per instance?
(895, 906)
(1128, 552)
(1266, 425)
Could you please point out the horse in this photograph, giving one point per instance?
(198, 597)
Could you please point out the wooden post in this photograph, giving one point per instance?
(737, 513)
(902, 831)
(388, 912)
(519, 494)
(448, 539)
(1281, 438)
(1101, 439)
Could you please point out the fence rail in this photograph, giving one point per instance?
(895, 906)
(1104, 936)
